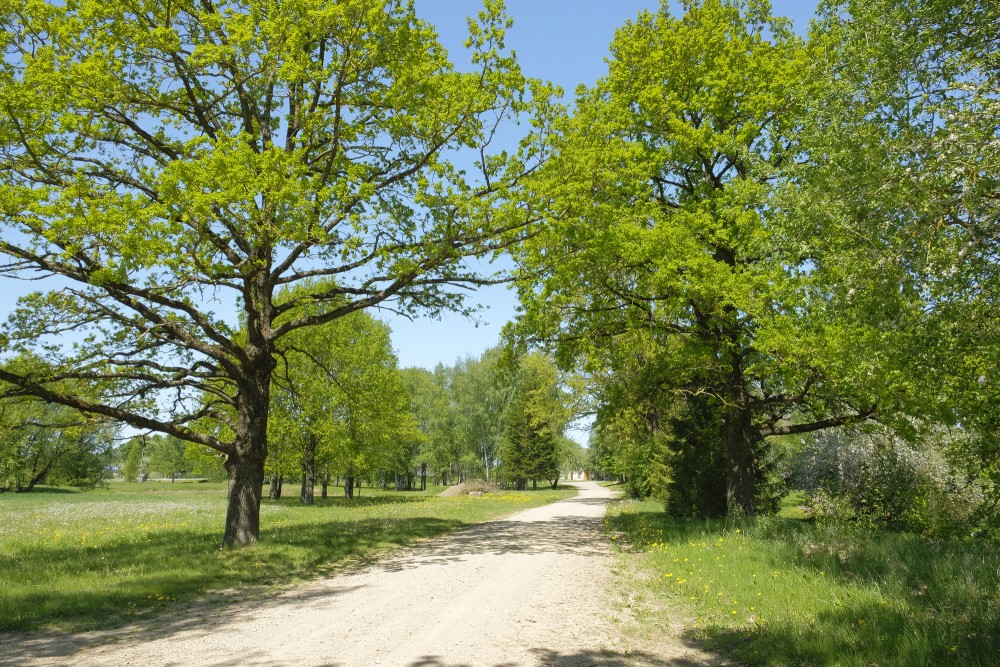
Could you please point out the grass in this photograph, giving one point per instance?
(72, 561)
(780, 591)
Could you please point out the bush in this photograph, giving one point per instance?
(875, 478)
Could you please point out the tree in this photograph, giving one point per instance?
(906, 159)
(480, 394)
(159, 157)
(42, 443)
(132, 459)
(168, 456)
(433, 407)
(666, 269)
(534, 420)
(339, 400)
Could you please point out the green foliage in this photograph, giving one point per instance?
(434, 409)
(534, 420)
(42, 443)
(773, 591)
(338, 402)
(160, 157)
(168, 456)
(480, 391)
(665, 269)
(876, 479)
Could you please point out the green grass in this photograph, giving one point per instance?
(74, 561)
(782, 592)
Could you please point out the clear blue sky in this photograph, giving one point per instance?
(562, 41)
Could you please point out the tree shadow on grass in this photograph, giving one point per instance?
(174, 568)
(900, 600)
(50, 490)
(862, 634)
(341, 501)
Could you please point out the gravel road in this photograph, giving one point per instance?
(531, 589)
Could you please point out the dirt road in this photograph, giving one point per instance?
(527, 590)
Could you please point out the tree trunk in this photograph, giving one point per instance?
(349, 486)
(36, 478)
(246, 482)
(741, 479)
(245, 463)
(324, 481)
(273, 490)
(534, 484)
(308, 471)
(423, 476)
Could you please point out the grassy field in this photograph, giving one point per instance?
(781, 591)
(83, 560)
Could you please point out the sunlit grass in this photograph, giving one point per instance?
(72, 561)
(778, 591)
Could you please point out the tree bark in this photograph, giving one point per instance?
(36, 478)
(246, 482)
(245, 463)
(308, 471)
(423, 476)
(741, 482)
(324, 481)
(349, 487)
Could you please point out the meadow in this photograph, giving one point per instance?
(782, 591)
(72, 561)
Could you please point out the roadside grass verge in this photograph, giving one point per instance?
(72, 561)
(781, 591)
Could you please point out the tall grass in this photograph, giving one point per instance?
(779, 591)
(74, 561)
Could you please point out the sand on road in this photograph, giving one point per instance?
(531, 589)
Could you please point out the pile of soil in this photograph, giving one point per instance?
(456, 490)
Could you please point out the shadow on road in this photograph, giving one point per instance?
(585, 658)
(569, 532)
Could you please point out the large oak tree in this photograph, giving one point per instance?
(164, 160)
(667, 269)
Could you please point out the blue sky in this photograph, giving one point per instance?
(563, 41)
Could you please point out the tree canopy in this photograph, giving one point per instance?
(159, 159)
(666, 268)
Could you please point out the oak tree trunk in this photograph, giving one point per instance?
(246, 482)
(741, 481)
(308, 471)
(245, 463)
